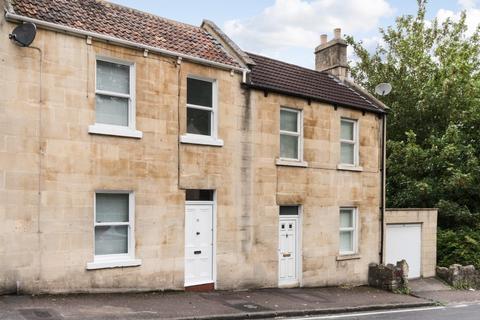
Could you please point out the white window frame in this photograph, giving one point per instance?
(211, 139)
(116, 260)
(298, 134)
(116, 130)
(353, 230)
(353, 142)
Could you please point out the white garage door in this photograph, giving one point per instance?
(404, 241)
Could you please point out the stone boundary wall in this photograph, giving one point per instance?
(427, 217)
(389, 277)
(460, 277)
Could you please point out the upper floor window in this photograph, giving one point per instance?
(200, 107)
(201, 112)
(115, 98)
(349, 142)
(291, 136)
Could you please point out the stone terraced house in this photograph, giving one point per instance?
(140, 153)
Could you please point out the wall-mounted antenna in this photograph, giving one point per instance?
(24, 34)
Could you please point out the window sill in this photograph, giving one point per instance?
(111, 130)
(202, 140)
(291, 163)
(348, 167)
(348, 256)
(114, 264)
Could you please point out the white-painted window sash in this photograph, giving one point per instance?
(130, 230)
(112, 94)
(131, 95)
(353, 142)
(195, 106)
(103, 224)
(290, 133)
(298, 133)
(353, 230)
(212, 109)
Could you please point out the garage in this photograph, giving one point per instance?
(404, 241)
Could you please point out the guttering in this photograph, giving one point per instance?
(53, 26)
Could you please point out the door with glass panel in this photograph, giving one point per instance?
(288, 270)
(199, 237)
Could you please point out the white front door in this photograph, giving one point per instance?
(404, 241)
(198, 244)
(287, 251)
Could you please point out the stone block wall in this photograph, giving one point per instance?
(460, 277)
(50, 168)
(389, 277)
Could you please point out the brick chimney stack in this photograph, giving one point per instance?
(331, 56)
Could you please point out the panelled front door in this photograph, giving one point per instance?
(198, 244)
(287, 252)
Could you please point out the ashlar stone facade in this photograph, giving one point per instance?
(51, 167)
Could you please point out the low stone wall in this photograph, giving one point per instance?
(460, 277)
(389, 277)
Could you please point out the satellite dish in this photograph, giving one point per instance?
(24, 34)
(383, 89)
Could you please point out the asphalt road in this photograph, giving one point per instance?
(459, 312)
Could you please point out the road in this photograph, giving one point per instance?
(459, 311)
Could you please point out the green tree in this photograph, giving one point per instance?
(433, 127)
(433, 69)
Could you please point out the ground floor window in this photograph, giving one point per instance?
(114, 238)
(348, 230)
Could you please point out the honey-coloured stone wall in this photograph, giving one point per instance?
(51, 166)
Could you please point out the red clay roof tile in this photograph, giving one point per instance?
(127, 24)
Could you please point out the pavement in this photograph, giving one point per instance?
(430, 299)
(435, 290)
(253, 304)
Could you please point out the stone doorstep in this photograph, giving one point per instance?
(309, 312)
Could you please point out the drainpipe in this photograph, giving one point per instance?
(382, 185)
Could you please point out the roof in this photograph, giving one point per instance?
(278, 76)
(124, 23)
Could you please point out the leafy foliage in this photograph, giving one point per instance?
(460, 246)
(444, 174)
(433, 127)
(434, 71)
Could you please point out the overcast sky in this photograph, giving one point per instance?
(289, 30)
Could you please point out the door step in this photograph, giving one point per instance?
(201, 287)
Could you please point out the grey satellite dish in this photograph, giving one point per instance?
(383, 89)
(24, 34)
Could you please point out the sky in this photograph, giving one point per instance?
(289, 30)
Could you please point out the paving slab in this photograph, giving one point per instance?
(263, 303)
(436, 290)
(428, 284)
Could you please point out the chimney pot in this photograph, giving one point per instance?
(323, 39)
(331, 56)
(338, 33)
